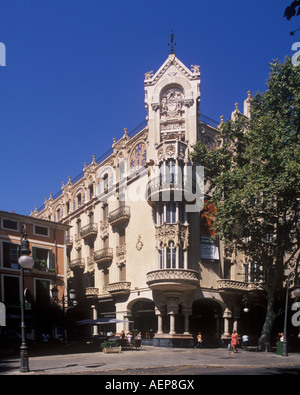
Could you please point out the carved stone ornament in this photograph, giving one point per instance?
(170, 150)
(189, 102)
(195, 69)
(177, 233)
(155, 106)
(181, 153)
(172, 102)
(160, 154)
(148, 75)
(104, 229)
(139, 244)
(121, 254)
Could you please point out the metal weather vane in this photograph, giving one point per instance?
(172, 44)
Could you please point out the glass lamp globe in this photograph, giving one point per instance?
(26, 262)
(297, 289)
(72, 294)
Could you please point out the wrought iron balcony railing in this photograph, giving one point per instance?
(121, 214)
(121, 287)
(105, 255)
(169, 188)
(89, 230)
(77, 263)
(173, 279)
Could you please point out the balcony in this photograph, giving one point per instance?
(177, 189)
(88, 231)
(77, 264)
(238, 286)
(119, 288)
(91, 292)
(105, 255)
(173, 279)
(69, 241)
(119, 216)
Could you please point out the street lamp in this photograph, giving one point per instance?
(297, 289)
(72, 294)
(297, 294)
(245, 301)
(65, 303)
(25, 262)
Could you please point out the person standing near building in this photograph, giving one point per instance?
(234, 341)
(199, 341)
(138, 340)
(129, 338)
(245, 340)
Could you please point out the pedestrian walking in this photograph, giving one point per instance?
(245, 340)
(234, 341)
(199, 341)
(280, 339)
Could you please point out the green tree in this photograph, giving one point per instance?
(292, 10)
(252, 175)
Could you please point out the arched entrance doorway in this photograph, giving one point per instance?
(144, 318)
(207, 318)
(251, 323)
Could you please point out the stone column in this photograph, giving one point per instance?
(227, 315)
(186, 312)
(127, 324)
(159, 315)
(236, 318)
(172, 310)
(95, 327)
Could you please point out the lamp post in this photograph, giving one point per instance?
(72, 295)
(297, 294)
(65, 301)
(25, 262)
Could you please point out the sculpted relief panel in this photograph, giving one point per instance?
(172, 102)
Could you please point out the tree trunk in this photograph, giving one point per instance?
(264, 343)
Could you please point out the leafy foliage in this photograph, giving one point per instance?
(253, 177)
(292, 10)
(109, 344)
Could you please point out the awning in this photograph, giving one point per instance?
(100, 321)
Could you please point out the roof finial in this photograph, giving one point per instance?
(172, 44)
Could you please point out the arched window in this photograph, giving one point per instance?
(161, 254)
(170, 171)
(105, 180)
(171, 255)
(78, 198)
(160, 214)
(138, 157)
(171, 213)
(79, 201)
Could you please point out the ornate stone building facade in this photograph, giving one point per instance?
(139, 247)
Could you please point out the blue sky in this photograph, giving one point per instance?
(74, 75)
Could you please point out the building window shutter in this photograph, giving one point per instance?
(51, 260)
(33, 254)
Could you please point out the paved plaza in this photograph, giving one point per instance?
(147, 357)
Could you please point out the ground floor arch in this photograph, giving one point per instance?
(207, 318)
(143, 317)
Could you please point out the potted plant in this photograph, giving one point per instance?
(110, 347)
